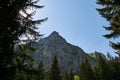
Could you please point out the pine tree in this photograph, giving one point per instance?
(111, 12)
(65, 76)
(95, 72)
(23, 63)
(114, 67)
(54, 73)
(86, 72)
(71, 76)
(15, 22)
(40, 72)
(103, 71)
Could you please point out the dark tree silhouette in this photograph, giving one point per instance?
(71, 75)
(111, 12)
(103, 70)
(40, 72)
(15, 22)
(65, 76)
(54, 73)
(86, 72)
(114, 68)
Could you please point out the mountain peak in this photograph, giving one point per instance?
(55, 37)
(69, 56)
(54, 33)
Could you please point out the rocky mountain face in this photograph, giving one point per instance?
(69, 56)
(96, 55)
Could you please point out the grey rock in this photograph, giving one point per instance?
(69, 56)
(96, 55)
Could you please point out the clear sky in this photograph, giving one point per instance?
(77, 21)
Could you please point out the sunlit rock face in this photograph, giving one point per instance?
(96, 55)
(69, 56)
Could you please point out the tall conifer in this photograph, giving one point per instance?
(71, 75)
(40, 72)
(111, 12)
(103, 71)
(86, 72)
(65, 76)
(15, 22)
(54, 73)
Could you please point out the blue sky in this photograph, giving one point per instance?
(77, 21)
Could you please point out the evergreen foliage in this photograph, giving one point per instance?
(111, 12)
(41, 72)
(54, 73)
(114, 67)
(105, 70)
(102, 69)
(23, 63)
(15, 22)
(95, 72)
(65, 76)
(86, 72)
(71, 75)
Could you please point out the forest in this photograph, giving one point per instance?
(18, 29)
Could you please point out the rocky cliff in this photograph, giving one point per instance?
(69, 56)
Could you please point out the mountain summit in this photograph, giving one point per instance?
(54, 33)
(69, 56)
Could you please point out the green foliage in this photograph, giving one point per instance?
(114, 68)
(107, 70)
(71, 76)
(111, 12)
(40, 72)
(15, 22)
(76, 77)
(65, 76)
(102, 69)
(95, 72)
(54, 73)
(86, 72)
(24, 65)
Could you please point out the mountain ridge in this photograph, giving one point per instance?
(69, 56)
